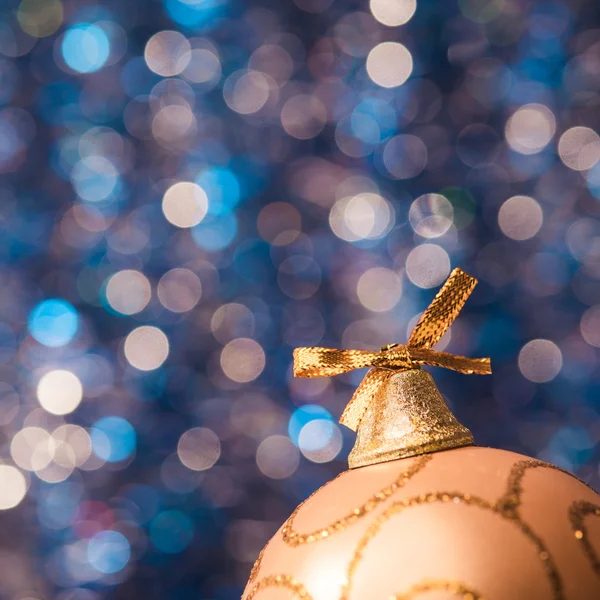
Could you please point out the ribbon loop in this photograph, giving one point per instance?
(434, 322)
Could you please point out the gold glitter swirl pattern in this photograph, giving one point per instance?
(256, 565)
(460, 590)
(282, 581)
(294, 538)
(511, 499)
(506, 507)
(457, 498)
(577, 513)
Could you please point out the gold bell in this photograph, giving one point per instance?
(406, 417)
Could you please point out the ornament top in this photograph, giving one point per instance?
(387, 363)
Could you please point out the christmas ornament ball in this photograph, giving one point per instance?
(423, 513)
(468, 523)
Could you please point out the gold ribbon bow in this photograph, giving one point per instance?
(434, 322)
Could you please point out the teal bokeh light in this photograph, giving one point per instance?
(85, 48)
(53, 323)
(171, 531)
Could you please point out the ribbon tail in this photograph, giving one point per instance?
(324, 362)
(446, 305)
(462, 364)
(355, 409)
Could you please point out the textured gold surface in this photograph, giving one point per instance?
(280, 581)
(324, 362)
(407, 417)
(459, 590)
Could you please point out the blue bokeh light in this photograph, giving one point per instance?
(109, 552)
(303, 415)
(53, 323)
(215, 233)
(171, 531)
(222, 189)
(113, 439)
(85, 47)
(95, 179)
(196, 14)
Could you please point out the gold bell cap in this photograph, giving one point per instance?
(407, 416)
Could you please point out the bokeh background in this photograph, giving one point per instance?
(191, 188)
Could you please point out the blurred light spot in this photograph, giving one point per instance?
(108, 552)
(203, 67)
(273, 60)
(179, 290)
(232, 321)
(53, 323)
(215, 232)
(185, 204)
(59, 392)
(520, 217)
(579, 148)
(222, 189)
(171, 531)
(128, 291)
(199, 448)
(540, 360)
(303, 116)
(196, 14)
(146, 348)
(358, 134)
(40, 18)
(590, 326)
(389, 64)
(113, 439)
(379, 289)
(320, 440)
(173, 125)
(428, 265)
(95, 178)
(167, 53)
(246, 92)
(242, 360)
(393, 12)
(85, 47)
(279, 223)
(431, 215)
(277, 457)
(13, 487)
(303, 415)
(72, 445)
(364, 216)
(32, 448)
(405, 156)
(530, 129)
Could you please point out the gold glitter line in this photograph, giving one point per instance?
(458, 589)
(577, 513)
(293, 538)
(256, 565)
(455, 497)
(511, 499)
(282, 581)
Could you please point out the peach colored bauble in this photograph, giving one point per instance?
(467, 523)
